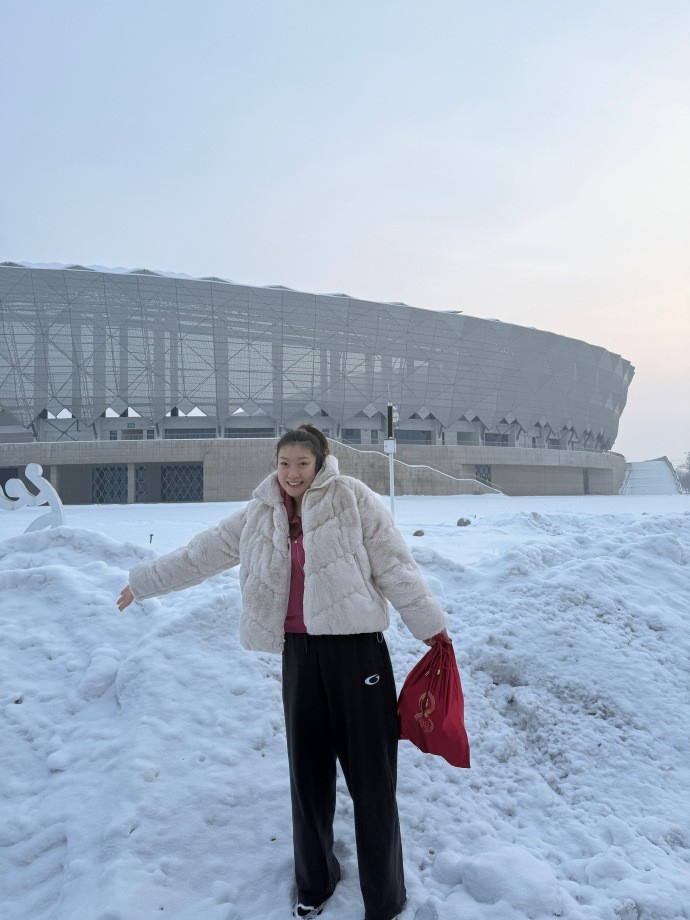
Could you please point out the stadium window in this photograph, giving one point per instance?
(150, 434)
(249, 433)
(352, 435)
(189, 434)
(113, 435)
(412, 436)
(495, 440)
(374, 436)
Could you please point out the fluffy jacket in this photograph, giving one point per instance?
(355, 558)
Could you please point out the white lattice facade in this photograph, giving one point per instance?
(91, 354)
(138, 386)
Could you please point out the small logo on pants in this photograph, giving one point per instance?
(374, 679)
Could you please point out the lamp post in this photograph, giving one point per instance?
(389, 448)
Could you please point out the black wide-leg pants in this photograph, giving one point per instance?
(340, 702)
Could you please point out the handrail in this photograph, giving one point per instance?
(419, 466)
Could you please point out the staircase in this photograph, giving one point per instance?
(650, 477)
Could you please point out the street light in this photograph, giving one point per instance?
(389, 448)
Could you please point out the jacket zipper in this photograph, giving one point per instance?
(305, 563)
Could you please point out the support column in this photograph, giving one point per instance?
(131, 483)
(54, 477)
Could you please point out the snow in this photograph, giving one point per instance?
(143, 754)
(117, 270)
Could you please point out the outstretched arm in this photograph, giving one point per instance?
(125, 599)
(432, 640)
(206, 554)
(395, 572)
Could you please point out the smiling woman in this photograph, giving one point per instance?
(319, 559)
(298, 463)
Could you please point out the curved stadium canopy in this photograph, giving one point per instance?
(89, 340)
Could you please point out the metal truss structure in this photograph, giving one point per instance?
(82, 342)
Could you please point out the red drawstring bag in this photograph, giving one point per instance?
(431, 707)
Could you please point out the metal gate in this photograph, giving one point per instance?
(182, 483)
(109, 485)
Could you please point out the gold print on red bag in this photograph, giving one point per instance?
(427, 704)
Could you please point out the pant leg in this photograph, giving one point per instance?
(362, 699)
(311, 756)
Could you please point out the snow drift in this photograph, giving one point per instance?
(143, 754)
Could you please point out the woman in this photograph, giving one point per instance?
(319, 556)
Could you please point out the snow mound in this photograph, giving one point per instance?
(143, 754)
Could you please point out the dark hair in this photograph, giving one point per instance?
(311, 437)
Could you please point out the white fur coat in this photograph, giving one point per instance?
(355, 558)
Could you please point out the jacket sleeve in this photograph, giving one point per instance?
(394, 571)
(206, 554)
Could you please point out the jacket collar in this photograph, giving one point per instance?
(268, 491)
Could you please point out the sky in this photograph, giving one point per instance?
(525, 160)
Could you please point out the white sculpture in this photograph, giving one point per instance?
(19, 496)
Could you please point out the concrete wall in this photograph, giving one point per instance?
(233, 468)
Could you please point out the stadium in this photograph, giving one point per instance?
(133, 386)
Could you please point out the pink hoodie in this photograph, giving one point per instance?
(294, 620)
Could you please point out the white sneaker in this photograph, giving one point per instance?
(306, 911)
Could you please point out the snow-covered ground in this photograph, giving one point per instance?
(142, 755)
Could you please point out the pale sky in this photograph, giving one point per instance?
(527, 160)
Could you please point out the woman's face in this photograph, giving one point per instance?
(296, 470)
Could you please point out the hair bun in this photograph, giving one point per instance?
(308, 435)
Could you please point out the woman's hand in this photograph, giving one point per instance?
(125, 599)
(432, 639)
